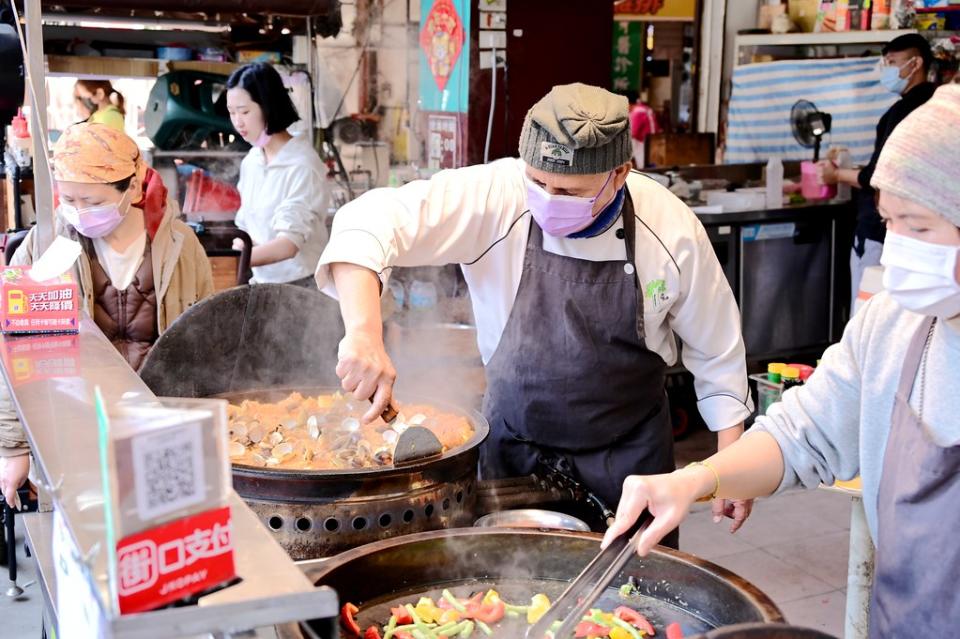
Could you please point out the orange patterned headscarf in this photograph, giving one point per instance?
(92, 153)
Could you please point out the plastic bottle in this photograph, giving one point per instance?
(398, 292)
(791, 377)
(423, 295)
(774, 183)
(844, 161)
(774, 371)
(20, 144)
(804, 371)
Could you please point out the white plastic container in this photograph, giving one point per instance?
(741, 200)
(774, 185)
(844, 161)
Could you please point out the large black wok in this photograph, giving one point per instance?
(674, 586)
(316, 513)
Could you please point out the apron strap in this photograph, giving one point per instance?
(630, 237)
(535, 243)
(914, 357)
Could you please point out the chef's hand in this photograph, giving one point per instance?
(827, 172)
(667, 497)
(365, 369)
(736, 509)
(238, 244)
(14, 474)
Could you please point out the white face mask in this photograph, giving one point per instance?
(921, 276)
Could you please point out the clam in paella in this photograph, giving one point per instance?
(324, 432)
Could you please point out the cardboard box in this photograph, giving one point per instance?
(28, 306)
(247, 56)
(804, 13)
(767, 13)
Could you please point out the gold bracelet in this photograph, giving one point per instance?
(716, 477)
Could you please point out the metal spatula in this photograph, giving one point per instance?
(583, 591)
(415, 443)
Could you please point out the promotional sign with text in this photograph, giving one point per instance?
(176, 560)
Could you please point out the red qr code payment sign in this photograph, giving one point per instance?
(175, 560)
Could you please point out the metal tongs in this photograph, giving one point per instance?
(590, 584)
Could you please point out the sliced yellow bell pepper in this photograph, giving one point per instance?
(539, 606)
(427, 610)
(619, 633)
(491, 597)
(448, 616)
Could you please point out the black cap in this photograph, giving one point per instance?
(911, 41)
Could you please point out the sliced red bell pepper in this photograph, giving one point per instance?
(635, 619)
(347, 620)
(590, 629)
(402, 634)
(674, 631)
(487, 613)
(372, 633)
(402, 615)
(475, 600)
(443, 604)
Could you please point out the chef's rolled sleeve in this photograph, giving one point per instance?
(707, 321)
(451, 218)
(351, 246)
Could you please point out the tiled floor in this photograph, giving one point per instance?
(20, 618)
(793, 547)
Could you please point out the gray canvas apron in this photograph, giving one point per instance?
(918, 515)
(572, 377)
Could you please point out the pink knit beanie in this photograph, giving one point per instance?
(921, 159)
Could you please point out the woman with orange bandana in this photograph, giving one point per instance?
(140, 268)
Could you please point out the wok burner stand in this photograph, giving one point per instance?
(548, 492)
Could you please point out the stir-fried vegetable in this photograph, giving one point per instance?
(451, 617)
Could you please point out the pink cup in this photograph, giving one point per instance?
(810, 187)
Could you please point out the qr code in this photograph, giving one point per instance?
(168, 470)
(169, 475)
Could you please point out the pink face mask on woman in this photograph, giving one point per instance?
(262, 139)
(94, 221)
(561, 215)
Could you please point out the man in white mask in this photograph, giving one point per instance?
(582, 275)
(882, 404)
(903, 71)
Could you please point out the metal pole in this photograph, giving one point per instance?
(859, 574)
(710, 65)
(42, 185)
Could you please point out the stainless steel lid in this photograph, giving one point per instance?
(532, 518)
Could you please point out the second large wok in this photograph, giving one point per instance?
(673, 586)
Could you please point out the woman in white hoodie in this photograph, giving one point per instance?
(883, 402)
(283, 187)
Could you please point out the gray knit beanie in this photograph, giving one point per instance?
(577, 129)
(920, 161)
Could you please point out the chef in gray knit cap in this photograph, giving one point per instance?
(882, 404)
(581, 274)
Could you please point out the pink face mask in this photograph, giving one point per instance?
(262, 139)
(561, 215)
(94, 221)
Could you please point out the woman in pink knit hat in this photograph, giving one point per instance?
(883, 403)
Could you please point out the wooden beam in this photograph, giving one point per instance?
(102, 66)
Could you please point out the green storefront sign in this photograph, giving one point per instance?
(627, 56)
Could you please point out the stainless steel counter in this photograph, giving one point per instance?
(59, 416)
